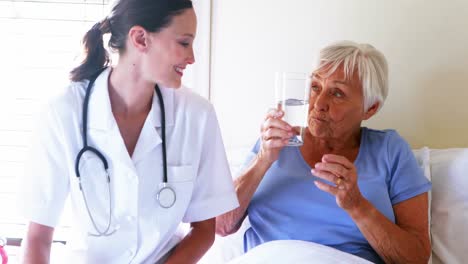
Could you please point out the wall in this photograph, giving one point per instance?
(197, 76)
(425, 42)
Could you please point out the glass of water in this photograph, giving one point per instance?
(292, 97)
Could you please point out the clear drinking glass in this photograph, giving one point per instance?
(292, 97)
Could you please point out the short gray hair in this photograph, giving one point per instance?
(370, 63)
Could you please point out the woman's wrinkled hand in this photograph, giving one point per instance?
(343, 174)
(274, 134)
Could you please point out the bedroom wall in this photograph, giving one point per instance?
(425, 42)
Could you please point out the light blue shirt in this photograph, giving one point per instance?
(288, 205)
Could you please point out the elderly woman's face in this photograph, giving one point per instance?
(336, 105)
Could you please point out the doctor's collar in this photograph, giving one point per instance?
(100, 112)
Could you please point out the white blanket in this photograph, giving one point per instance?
(297, 252)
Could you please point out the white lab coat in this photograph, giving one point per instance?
(197, 170)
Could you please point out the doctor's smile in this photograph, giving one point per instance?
(179, 70)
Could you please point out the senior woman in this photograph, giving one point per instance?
(356, 189)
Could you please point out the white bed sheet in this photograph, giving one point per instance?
(298, 252)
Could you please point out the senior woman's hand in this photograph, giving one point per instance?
(340, 171)
(275, 134)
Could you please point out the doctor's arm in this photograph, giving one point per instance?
(195, 243)
(38, 244)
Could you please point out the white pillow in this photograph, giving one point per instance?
(449, 168)
(237, 156)
(423, 157)
(297, 252)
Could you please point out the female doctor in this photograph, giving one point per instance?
(137, 154)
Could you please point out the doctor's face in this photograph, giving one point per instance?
(171, 50)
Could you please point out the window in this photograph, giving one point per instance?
(40, 41)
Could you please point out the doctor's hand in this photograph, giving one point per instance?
(274, 134)
(340, 171)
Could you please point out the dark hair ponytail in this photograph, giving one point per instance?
(152, 15)
(96, 56)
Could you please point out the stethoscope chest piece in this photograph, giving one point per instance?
(166, 196)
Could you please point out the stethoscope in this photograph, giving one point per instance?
(166, 195)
